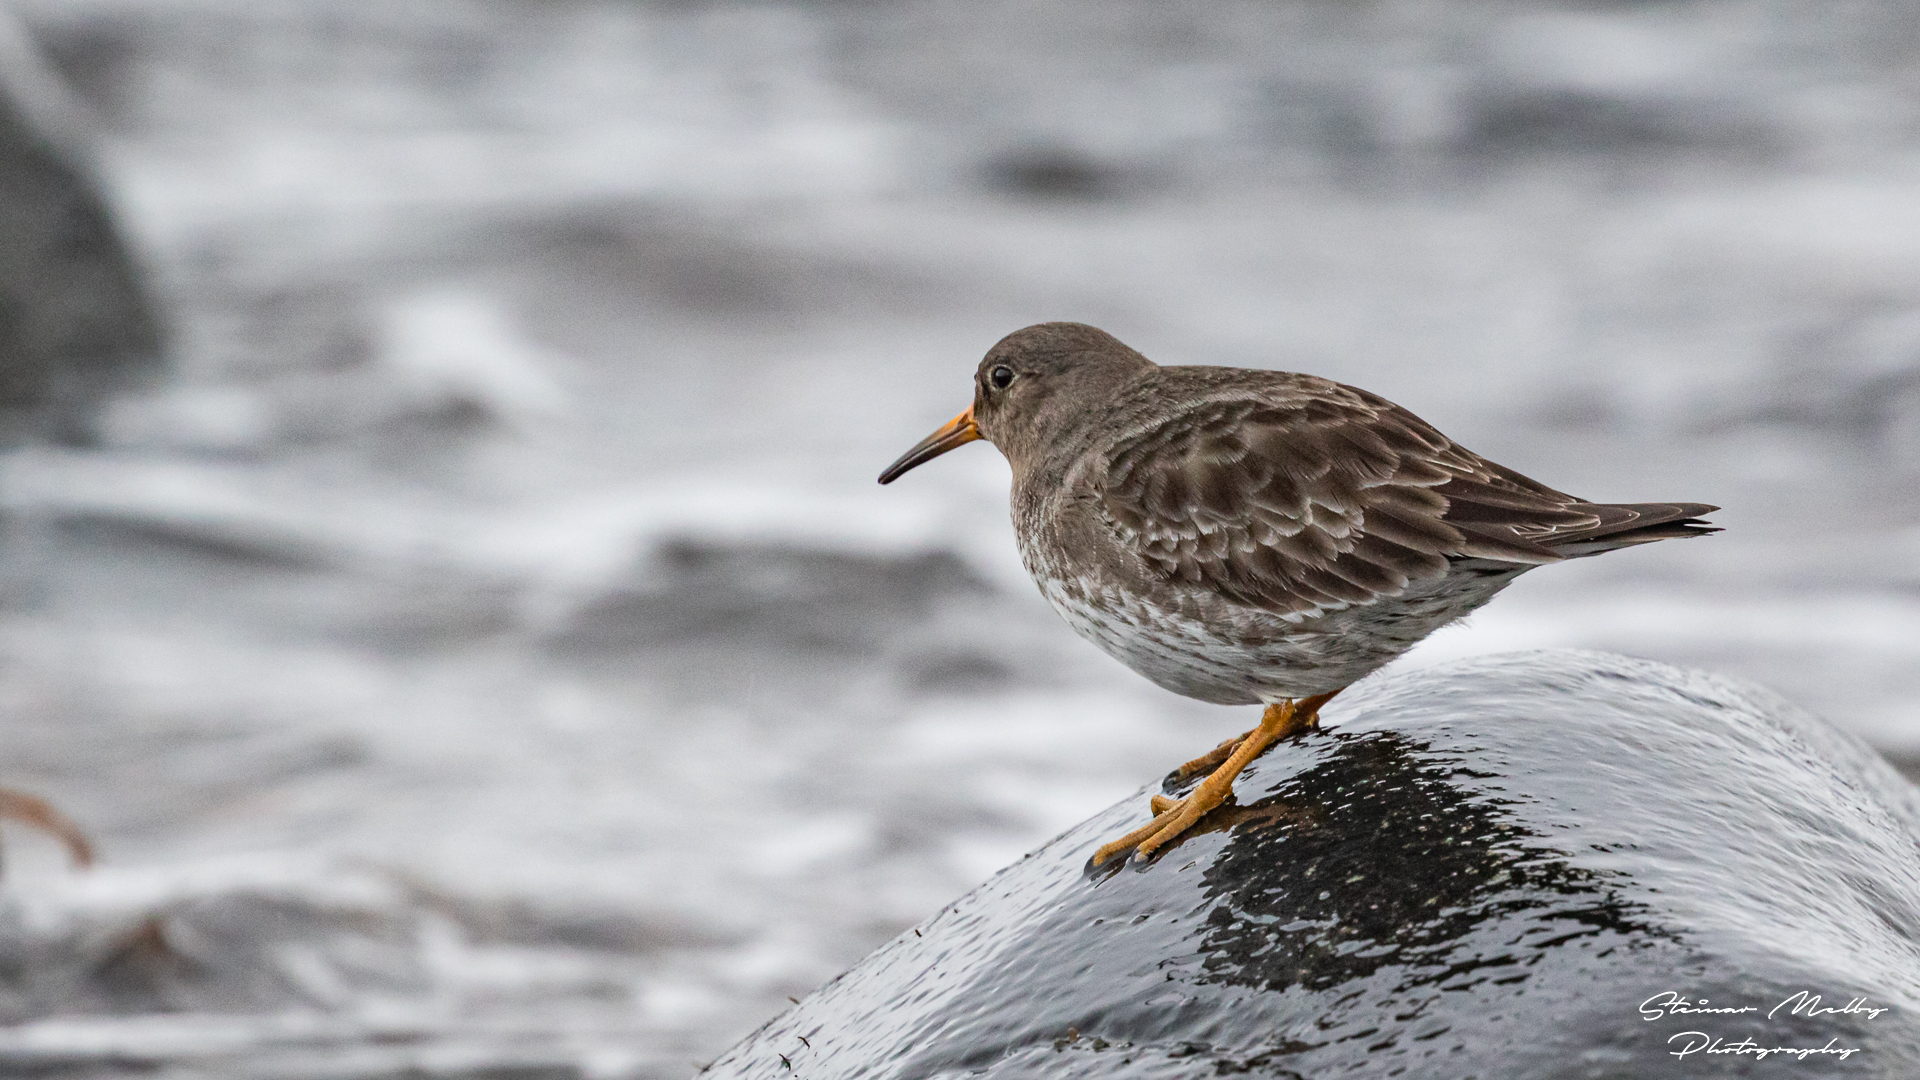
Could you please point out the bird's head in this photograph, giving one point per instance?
(1030, 390)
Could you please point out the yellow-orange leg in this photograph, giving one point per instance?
(1211, 760)
(1173, 817)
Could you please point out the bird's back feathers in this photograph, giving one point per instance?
(1291, 493)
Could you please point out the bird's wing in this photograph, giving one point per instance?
(1320, 496)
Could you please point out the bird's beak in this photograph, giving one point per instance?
(956, 432)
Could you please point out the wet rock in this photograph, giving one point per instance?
(76, 323)
(1510, 867)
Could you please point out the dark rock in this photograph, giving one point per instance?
(1489, 869)
(76, 323)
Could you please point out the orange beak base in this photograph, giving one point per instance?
(956, 432)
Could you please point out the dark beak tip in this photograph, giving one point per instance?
(904, 466)
(956, 432)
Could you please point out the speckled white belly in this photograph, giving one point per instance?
(1240, 656)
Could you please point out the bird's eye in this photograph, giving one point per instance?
(1000, 377)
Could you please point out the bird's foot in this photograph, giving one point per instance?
(1172, 817)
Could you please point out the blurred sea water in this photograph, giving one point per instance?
(489, 653)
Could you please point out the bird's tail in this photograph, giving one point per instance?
(1626, 524)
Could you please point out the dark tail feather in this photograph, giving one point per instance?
(1626, 524)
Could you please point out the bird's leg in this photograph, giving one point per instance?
(1177, 815)
(1210, 760)
(1206, 762)
(1173, 817)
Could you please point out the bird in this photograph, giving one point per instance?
(1253, 537)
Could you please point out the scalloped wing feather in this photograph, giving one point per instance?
(1316, 496)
